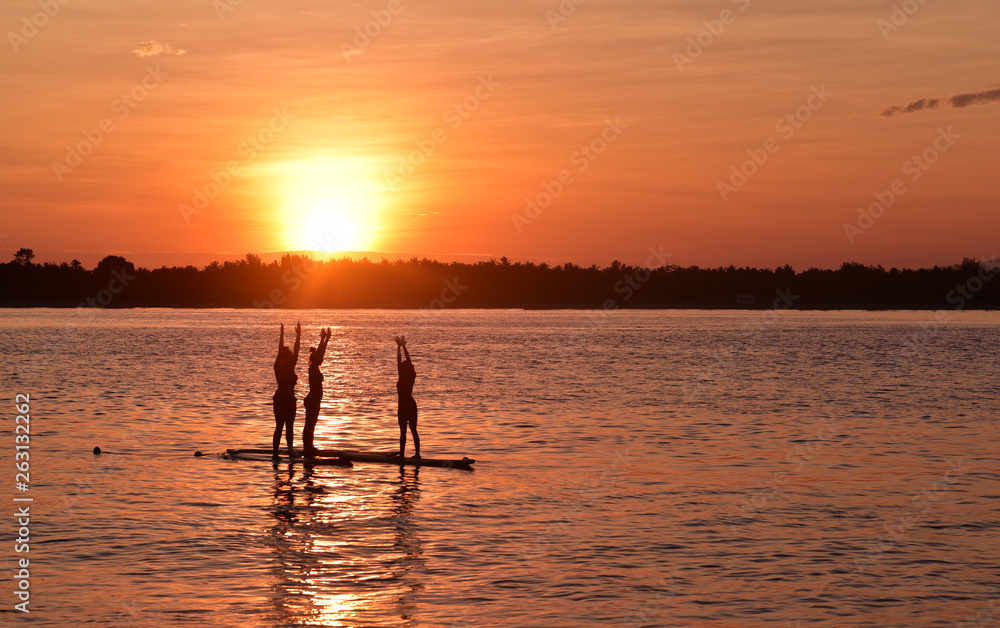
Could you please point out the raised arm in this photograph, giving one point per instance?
(400, 348)
(324, 338)
(298, 340)
(281, 344)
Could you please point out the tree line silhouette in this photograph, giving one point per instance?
(297, 281)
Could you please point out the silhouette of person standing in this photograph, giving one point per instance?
(284, 396)
(312, 400)
(407, 409)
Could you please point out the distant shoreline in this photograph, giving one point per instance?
(294, 282)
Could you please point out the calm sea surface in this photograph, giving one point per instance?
(677, 468)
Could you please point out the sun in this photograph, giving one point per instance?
(327, 230)
(330, 205)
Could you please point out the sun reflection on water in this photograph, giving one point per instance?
(326, 522)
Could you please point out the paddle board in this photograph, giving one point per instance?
(259, 456)
(363, 456)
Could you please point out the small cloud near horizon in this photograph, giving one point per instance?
(956, 101)
(153, 48)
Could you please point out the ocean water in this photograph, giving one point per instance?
(648, 468)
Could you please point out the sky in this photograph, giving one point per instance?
(746, 132)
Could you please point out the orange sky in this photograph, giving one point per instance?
(320, 127)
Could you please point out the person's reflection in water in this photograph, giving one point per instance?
(283, 505)
(404, 498)
(406, 495)
(291, 537)
(312, 489)
(327, 549)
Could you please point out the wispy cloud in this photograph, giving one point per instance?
(153, 48)
(956, 101)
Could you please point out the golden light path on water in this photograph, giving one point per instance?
(318, 525)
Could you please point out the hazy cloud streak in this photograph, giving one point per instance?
(957, 101)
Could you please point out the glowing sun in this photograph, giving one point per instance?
(330, 205)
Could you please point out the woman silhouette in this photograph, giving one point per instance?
(315, 395)
(407, 410)
(284, 396)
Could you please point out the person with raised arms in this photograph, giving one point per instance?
(406, 411)
(312, 400)
(284, 397)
